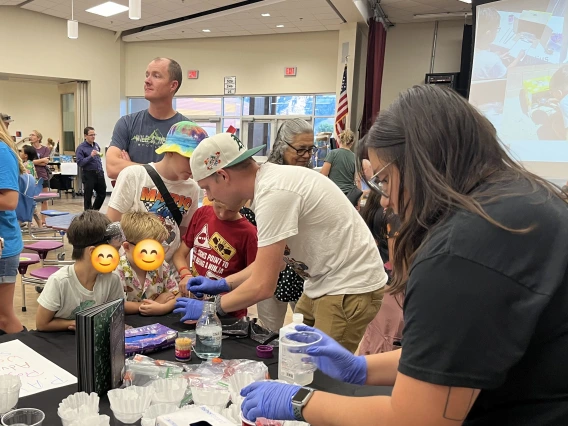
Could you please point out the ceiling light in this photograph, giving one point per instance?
(206, 31)
(466, 1)
(72, 25)
(135, 9)
(280, 26)
(108, 9)
(265, 14)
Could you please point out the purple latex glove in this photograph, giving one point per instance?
(202, 285)
(333, 359)
(272, 400)
(191, 309)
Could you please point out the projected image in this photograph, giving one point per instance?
(519, 80)
(518, 33)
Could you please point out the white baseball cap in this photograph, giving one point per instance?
(218, 152)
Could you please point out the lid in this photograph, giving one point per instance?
(298, 318)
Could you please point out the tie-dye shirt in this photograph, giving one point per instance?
(156, 282)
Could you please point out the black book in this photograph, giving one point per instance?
(100, 347)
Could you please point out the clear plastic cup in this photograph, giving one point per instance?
(23, 417)
(9, 392)
(294, 351)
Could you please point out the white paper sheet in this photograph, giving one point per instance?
(37, 373)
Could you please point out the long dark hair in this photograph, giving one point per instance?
(444, 149)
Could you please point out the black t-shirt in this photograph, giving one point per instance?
(487, 309)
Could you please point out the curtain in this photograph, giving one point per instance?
(374, 76)
(466, 61)
(81, 121)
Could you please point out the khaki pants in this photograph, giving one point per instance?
(272, 312)
(343, 317)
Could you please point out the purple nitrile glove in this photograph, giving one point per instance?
(269, 399)
(191, 309)
(333, 359)
(203, 285)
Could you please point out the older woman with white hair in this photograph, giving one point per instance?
(294, 146)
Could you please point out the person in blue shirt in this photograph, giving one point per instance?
(89, 159)
(11, 236)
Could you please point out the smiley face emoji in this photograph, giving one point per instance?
(148, 255)
(104, 258)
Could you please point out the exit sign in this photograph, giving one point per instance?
(290, 72)
(193, 74)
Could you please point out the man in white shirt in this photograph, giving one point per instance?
(135, 190)
(304, 220)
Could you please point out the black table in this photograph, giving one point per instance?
(60, 348)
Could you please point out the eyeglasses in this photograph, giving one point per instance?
(93, 134)
(303, 151)
(378, 185)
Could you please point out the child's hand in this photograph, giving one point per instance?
(151, 307)
(183, 286)
(165, 297)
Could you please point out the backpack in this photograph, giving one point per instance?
(28, 189)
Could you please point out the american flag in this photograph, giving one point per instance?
(342, 107)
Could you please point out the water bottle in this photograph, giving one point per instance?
(290, 375)
(208, 333)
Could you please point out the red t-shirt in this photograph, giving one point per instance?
(220, 248)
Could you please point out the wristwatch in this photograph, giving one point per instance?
(299, 401)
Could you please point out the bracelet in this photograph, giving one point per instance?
(182, 268)
(218, 307)
(184, 275)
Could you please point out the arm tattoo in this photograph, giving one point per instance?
(458, 403)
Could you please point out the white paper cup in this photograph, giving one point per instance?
(150, 415)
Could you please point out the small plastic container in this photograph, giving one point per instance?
(183, 346)
(245, 422)
(23, 417)
(9, 392)
(295, 365)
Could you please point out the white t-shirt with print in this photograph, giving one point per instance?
(329, 243)
(65, 295)
(135, 191)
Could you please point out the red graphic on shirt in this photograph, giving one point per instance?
(202, 239)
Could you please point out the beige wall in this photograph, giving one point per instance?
(47, 52)
(258, 62)
(31, 105)
(408, 53)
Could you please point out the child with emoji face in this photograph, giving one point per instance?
(84, 284)
(143, 272)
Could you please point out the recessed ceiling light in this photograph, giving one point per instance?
(280, 26)
(108, 9)
(265, 14)
(466, 1)
(206, 31)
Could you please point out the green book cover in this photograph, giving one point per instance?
(103, 342)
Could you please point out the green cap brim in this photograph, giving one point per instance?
(247, 154)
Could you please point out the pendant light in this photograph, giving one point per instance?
(135, 9)
(72, 26)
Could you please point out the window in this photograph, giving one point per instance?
(230, 110)
(192, 107)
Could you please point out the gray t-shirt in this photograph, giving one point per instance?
(342, 171)
(140, 135)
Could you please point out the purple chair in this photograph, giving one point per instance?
(42, 248)
(37, 277)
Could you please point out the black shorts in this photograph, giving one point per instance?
(45, 183)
